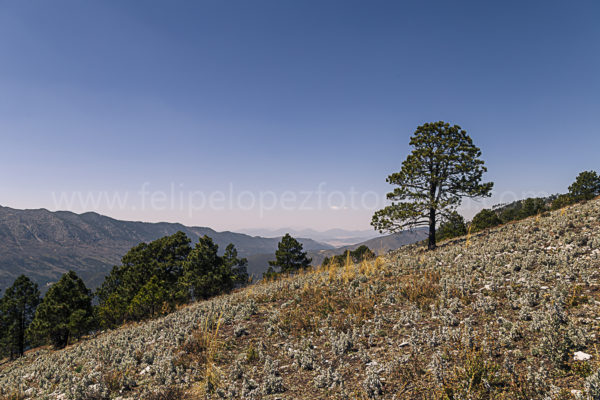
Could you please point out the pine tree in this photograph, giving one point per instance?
(443, 167)
(238, 266)
(65, 312)
(163, 258)
(205, 273)
(485, 219)
(454, 225)
(289, 256)
(585, 187)
(18, 308)
(149, 300)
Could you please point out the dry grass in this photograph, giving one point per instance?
(420, 288)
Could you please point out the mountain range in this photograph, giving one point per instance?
(44, 245)
(334, 237)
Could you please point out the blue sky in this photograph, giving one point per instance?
(161, 105)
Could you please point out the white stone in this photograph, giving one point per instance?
(581, 356)
(145, 370)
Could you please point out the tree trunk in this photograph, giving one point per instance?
(22, 336)
(431, 245)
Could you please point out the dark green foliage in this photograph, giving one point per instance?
(270, 274)
(155, 277)
(522, 209)
(149, 300)
(237, 265)
(360, 253)
(65, 313)
(289, 257)
(585, 187)
(205, 273)
(443, 167)
(162, 259)
(485, 219)
(561, 201)
(17, 309)
(532, 207)
(454, 225)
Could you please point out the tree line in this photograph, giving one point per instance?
(152, 279)
(585, 187)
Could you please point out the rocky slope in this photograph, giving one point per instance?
(511, 313)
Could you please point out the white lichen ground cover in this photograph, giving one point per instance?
(501, 315)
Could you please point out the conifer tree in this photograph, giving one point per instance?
(238, 266)
(485, 219)
(18, 307)
(443, 167)
(205, 273)
(289, 256)
(585, 187)
(163, 258)
(65, 312)
(149, 300)
(454, 225)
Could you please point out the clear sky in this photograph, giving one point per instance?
(237, 114)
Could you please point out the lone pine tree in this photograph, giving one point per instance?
(443, 167)
(289, 256)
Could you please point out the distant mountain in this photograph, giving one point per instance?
(334, 237)
(44, 244)
(259, 263)
(379, 245)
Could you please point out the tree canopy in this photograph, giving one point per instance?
(207, 274)
(162, 259)
(485, 219)
(65, 313)
(154, 277)
(289, 257)
(453, 225)
(443, 167)
(17, 309)
(238, 266)
(586, 186)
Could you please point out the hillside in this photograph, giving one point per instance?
(500, 315)
(44, 245)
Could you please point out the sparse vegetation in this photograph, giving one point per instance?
(511, 316)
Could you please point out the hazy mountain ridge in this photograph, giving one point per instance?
(335, 237)
(380, 245)
(44, 244)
